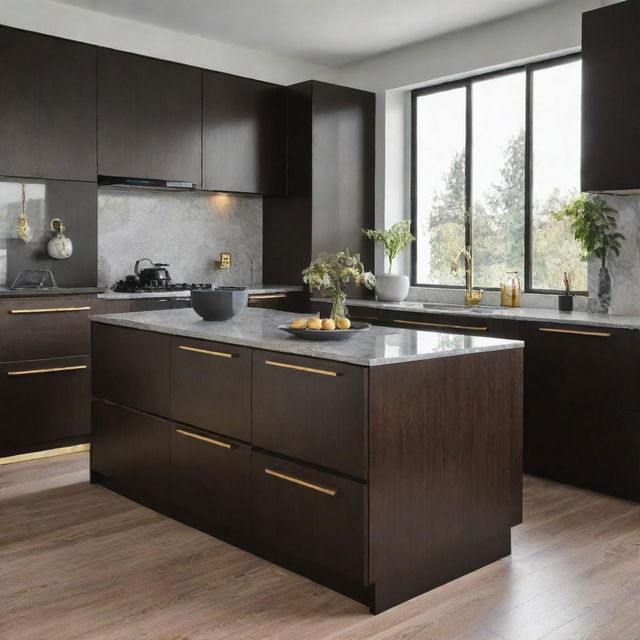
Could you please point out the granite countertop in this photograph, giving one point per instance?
(48, 293)
(502, 313)
(258, 328)
(253, 289)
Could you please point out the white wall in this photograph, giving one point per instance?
(52, 18)
(549, 30)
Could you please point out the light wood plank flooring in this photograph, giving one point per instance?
(77, 561)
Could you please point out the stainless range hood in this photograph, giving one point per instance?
(150, 183)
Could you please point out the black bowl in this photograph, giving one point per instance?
(218, 304)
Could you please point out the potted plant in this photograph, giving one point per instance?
(594, 227)
(332, 272)
(391, 287)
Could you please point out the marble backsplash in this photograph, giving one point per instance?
(187, 230)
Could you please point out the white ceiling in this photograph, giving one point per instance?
(333, 33)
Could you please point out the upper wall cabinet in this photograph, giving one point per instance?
(244, 135)
(611, 98)
(47, 107)
(149, 118)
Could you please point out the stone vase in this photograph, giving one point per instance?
(602, 302)
(392, 288)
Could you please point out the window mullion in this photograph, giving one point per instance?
(468, 166)
(528, 178)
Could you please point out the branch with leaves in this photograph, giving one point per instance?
(395, 239)
(593, 225)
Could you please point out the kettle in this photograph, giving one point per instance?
(155, 275)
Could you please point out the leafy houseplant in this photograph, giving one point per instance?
(393, 288)
(333, 272)
(594, 227)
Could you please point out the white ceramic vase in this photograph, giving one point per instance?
(392, 288)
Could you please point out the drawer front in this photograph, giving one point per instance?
(313, 410)
(572, 364)
(211, 386)
(117, 306)
(269, 301)
(472, 325)
(360, 314)
(151, 304)
(44, 401)
(46, 328)
(310, 516)
(132, 450)
(131, 367)
(210, 477)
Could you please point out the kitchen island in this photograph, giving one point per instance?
(382, 466)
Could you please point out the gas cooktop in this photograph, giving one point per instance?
(123, 287)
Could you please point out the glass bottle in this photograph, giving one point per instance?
(510, 290)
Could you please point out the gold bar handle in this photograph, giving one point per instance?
(267, 296)
(575, 332)
(217, 443)
(30, 372)
(51, 310)
(302, 483)
(219, 354)
(441, 325)
(296, 367)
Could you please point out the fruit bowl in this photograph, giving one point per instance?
(321, 335)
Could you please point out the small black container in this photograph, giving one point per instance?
(565, 303)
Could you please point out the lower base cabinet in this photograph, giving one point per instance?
(46, 404)
(310, 517)
(210, 479)
(130, 452)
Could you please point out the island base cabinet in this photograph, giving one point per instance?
(313, 519)
(130, 453)
(209, 479)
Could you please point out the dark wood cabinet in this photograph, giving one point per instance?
(48, 107)
(310, 517)
(211, 386)
(311, 410)
(210, 479)
(131, 452)
(330, 174)
(611, 98)
(117, 306)
(149, 118)
(296, 301)
(46, 404)
(131, 367)
(244, 135)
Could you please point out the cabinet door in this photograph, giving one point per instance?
(117, 306)
(48, 107)
(131, 367)
(45, 403)
(243, 145)
(211, 386)
(610, 98)
(210, 478)
(149, 118)
(151, 304)
(46, 327)
(131, 451)
(310, 517)
(311, 409)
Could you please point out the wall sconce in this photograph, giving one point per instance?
(59, 247)
(25, 232)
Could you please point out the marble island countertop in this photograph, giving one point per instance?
(506, 313)
(252, 289)
(258, 328)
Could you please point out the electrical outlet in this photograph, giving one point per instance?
(225, 260)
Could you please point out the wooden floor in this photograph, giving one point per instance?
(77, 561)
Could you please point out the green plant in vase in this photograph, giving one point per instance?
(595, 230)
(389, 286)
(332, 273)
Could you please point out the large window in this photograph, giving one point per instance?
(494, 156)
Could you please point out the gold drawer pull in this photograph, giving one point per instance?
(302, 483)
(224, 445)
(219, 354)
(29, 372)
(267, 296)
(575, 332)
(296, 367)
(441, 325)
(51, 310)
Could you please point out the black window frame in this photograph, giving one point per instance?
(467, 84)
